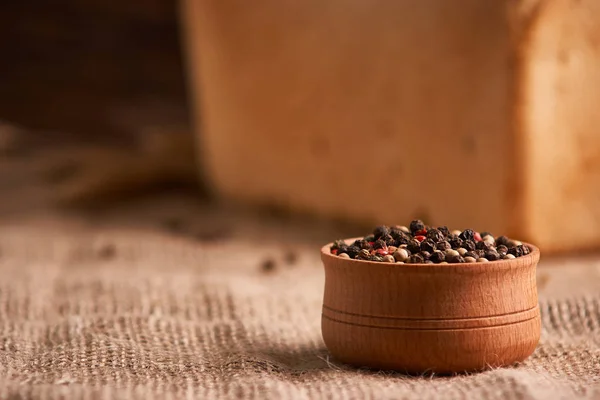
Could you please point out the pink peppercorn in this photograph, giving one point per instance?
(420, 238)
(477, 237)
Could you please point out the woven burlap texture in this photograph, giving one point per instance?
(160, 317)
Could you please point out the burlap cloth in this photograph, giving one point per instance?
(162, 316)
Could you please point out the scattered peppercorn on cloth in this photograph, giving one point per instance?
(96, 312)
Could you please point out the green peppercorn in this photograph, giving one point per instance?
(364, 254)
(416, 225)
(444, 245)
(380, 231)
(437, 256)
(470, 259)
(416, 259)
(388, 258)
(376, 258)
(435, 235)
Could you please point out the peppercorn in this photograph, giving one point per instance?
(414, 246)
(416, 226)
(467, 234)
(435, 235)
(370, 238)
(444, 230)
(484, 234)
(337, 244)
(489, 239)
(482, 259)
(402, 238)
(399, 262)
(389, 259)
(437, 256)
(515, 251)
(450, 254)
(416, 259)
(389, 240)
(379, 244)
(444, 245)
(502, 249)
(492, 255)
(483, 245)
(508, 257)
(364, 254)
(455, 232)
(376, 258)
(470, 259)
(380, 231)
(462, 251)
(403, 228)
(472, 254)
(457, 260)
(344, 255)
(420, 238)
(401, 254)
(353, 251)
(392, 249)
(342, 249)
(444, 262)
(422, 232)
(515, 243)
(428, 245)
(469, 245)
(525, 249)
(426, 255)
(503, 240)
(428, 262)
(456, 243)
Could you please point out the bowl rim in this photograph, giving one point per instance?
(530, 259)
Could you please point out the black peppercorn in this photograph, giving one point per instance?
(502, 249)
(451, 236)
(414, 246)
(438, 256)
(342, 249)
(515, 251)
(353, 251)
(370, 238)
(362, 244)
(444, 245)
(425, 254)
(379, 244)
(469, 245)
(428, 245)
(467, 234)
(481, 253)
(473, 254)
(525, 249)
(483, 245)
(444, 230)
(337, 244)
(456, 243)
(389, 240)
(415, 259)
(416, 225)
(380, 231)
(492, 255)
(503, 240)
(435, 235)
(457, 259)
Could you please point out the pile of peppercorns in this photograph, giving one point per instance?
(421, 244)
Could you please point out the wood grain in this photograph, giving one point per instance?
(427, 317)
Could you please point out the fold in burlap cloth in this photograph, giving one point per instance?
(159, 316)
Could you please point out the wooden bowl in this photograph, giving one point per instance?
(441, 318)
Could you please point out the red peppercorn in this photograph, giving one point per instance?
(420, 238)
(477, 237)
